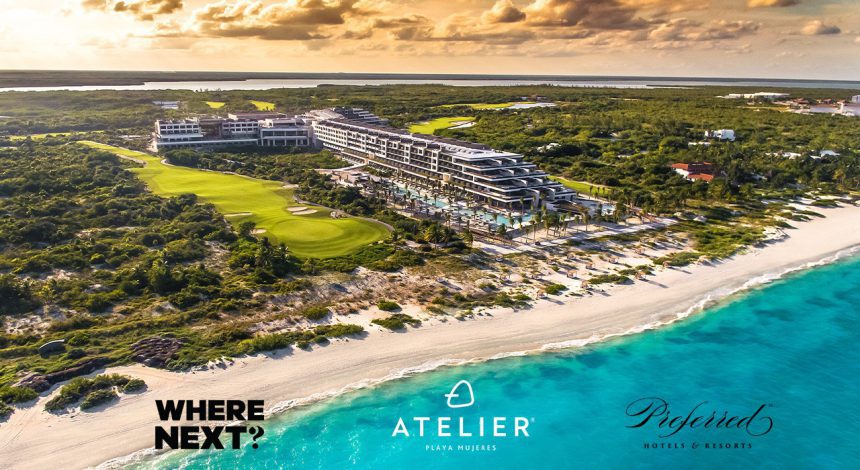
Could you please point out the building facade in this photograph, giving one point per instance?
(498, 178)
(262, 129)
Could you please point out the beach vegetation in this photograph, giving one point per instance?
(678, 259)
(301, 338)
(89, 391)
(12, 394)
(397, 321)
(98, 397)
(554, 289)
(608, 279)
(388, 305)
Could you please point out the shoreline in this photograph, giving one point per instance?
(294, 377)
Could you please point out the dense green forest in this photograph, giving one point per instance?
(611, 136)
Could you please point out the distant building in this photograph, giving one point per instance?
(697, 171)
(824, 109)
(855, 99)
(167, 104)
(721, 134)
(789, 155)
(826, 153)
(850, 109)
(353, 114)
(762, 95)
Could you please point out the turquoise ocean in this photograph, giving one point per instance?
(791, 347)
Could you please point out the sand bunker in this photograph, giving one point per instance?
(301, 210)
(239, 214)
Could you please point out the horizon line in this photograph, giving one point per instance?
(418, 75)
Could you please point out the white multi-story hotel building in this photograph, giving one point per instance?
(497, 178)
(263, 129)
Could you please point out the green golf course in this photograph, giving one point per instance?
(308, 231)
(430, 127)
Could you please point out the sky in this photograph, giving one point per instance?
(705, 38)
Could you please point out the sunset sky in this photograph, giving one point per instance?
(741, 38)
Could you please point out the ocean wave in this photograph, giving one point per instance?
(707, 301)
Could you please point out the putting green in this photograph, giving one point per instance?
(240, 198)
(263, 105)
(430, 127)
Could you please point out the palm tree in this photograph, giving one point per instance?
(547, 223)
(502, 230)
(538, 218)
(468, 238)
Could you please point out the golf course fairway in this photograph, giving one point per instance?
(310, 233)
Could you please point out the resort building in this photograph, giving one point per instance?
(762, 95)
(494, 177)
(697, 171)
(721, 134)
(263, 129)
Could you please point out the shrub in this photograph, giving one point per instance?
(388, 305)
(75, 353)
(397, 321)
(681, 258)
(608, 278)
(134, 385)
(12, 394)
(5, 411)
(98, 397)
(316, 313)
(93, 391)
(338, 330)
(555, 289)
(266, 343)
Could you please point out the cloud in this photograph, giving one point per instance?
(455, 28)
(771, 3)
(95, 4)
(144, 10)
(681, 30)
(412, 27)
(818, 28)
(598, 14)
(288, 20)
(503, 11)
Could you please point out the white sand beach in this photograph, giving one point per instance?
(33, 438)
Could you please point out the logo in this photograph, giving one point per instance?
(453, 394)
(735, 429)
(470, 426)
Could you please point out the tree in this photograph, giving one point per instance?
(502, 230)
(246, 229)
(468, 238)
